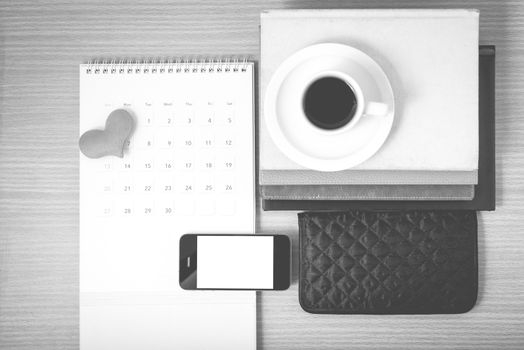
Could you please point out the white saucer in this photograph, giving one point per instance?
(308, 145)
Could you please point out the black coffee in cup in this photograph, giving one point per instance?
(329, 103)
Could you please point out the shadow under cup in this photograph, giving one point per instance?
(329, 103)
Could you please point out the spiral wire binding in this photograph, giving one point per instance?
(168, 65)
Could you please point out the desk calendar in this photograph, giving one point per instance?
(187, 168)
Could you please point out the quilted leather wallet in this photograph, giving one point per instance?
(409, 262)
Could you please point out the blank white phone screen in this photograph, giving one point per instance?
(235, 262)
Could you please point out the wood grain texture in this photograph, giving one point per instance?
(41, 45)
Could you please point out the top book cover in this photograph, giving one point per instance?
(431, 59)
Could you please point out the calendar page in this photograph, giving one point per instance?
(187, 168)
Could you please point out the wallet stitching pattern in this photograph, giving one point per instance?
(322, 291)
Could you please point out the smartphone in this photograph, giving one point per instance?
(234, 262)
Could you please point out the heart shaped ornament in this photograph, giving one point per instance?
(112, 140)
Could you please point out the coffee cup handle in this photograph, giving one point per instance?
(376, 109)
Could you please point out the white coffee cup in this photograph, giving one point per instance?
(362, 108)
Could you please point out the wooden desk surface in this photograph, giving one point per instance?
(41, 45)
